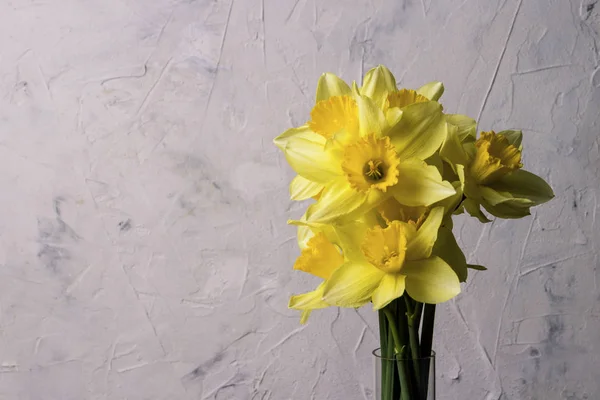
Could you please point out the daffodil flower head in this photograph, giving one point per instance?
(385, 248)
(490, 171)
(495, 157)
(320, 257)
(371, 163)
(351, 158)
(393, 259)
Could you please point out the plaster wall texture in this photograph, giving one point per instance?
(144, 251)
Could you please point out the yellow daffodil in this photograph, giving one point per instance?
(490, 171)
(387, 261)
(320, 257)
(321, 254)
(445, 246)
(354, 156)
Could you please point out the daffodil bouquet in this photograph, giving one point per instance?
(387, 169)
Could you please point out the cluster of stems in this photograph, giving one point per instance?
(406, 335)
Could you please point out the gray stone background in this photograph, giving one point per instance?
(144, 251)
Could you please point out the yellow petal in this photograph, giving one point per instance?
(390, 288)
(422, 243)
(335, 117)
(466, 127)
(421, 130)
(304, 235)
(305, 152)
(320, 258)
(514, 137)
(391, 210)
(452, 150)
(302, 189)
(420, 184)
(340, 200)
(432, 90)
(402, 98)
(352, 285)
(393, 116)
(514, 194)
(474, 209)
(309, 301)
(330, 85)
(385, 248)
(350, 236)
(457, 180)
(377, 83)
(448, 250)
(525, 185)
(371, 120)
(495, 158)
(304, 316)
(307, 230)
(504, 204)
(431, 280)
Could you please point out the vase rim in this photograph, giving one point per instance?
(377, 354)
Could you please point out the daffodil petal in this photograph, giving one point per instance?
(340, 200)
(431, 280)
(466, 127)
(352, 284)
(371, 120)
(525, 185)
(377, 83)
(390, 288)
(309, 301)
(451, 203)
(305, 151)
(306, 230)
(422, 243)
(321, 258)
(304, 235)
(508, 210)
(504, 204)
(393, 115)
(474, 209)
(420, 184)
(302, 189)
(301, 132)
(514, 137)
(304, 316)
(448, 250)
(330, 85)
(432, 90)
(452, 150)
(421, 130)
(351, 236)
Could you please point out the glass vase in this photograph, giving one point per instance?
(404, 379)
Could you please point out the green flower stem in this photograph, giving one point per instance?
(387, 377)
(426, 342)
(398, 344)
(414, 319)
(411, 379)
(398, 328)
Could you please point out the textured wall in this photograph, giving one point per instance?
(144, 252)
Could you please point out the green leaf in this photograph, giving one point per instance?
(477, 267)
